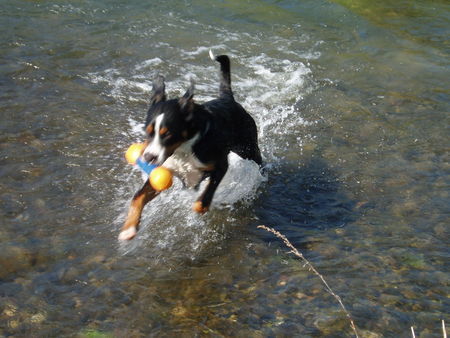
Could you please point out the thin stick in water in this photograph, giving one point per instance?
(311, 267)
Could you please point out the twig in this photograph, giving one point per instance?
(412, 332)
(311, 267)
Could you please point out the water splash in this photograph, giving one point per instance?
(267, 87)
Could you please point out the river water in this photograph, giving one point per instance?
(351, 100)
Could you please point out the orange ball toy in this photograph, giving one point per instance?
(160, 178)
(133, 152)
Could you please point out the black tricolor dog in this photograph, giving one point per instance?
(193, 140)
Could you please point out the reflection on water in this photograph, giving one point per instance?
(351, 100)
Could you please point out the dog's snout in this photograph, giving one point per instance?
(150, 158)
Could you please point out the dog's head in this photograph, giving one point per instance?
(169, 123)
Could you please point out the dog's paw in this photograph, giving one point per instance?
(198, 207)
(128, 234)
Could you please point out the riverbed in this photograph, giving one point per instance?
(351, 100)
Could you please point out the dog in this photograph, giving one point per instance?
(194, 140)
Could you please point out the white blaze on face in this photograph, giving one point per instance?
(155, 148)
(182, 162)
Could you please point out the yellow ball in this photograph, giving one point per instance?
(161, 178)
(133, 152)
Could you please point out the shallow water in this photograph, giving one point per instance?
(351, 100)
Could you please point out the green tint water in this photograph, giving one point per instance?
(351, 99)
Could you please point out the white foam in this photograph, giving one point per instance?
(267, 87)
(120, 87)
(148, 63)
(241, 181)
(169, 225)
(136, 128)
(199, 50)
(60, 9)
(271, 96)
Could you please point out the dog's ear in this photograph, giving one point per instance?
(187, 101)
(159, 91)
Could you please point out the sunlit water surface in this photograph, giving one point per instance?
(351, 100)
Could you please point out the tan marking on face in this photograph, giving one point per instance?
(149, 129)
(163, 131)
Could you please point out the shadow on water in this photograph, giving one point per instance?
(300, 200)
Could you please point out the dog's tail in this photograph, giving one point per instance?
(225, 80)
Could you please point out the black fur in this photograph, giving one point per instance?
(211, 129)
(223, 123)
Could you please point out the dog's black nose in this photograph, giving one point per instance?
(150, 158)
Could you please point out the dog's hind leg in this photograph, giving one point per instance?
(246, 140)
(140, 199)
(249, 152)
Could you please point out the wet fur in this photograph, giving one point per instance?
(194, 140)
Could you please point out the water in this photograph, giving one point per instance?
(351, 100)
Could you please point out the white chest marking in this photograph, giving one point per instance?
(185, 164)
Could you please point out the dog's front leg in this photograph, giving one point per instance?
(140, 199)
(215, 177)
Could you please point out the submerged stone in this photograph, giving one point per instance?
(14, 258)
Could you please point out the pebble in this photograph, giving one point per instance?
(405, 209)
(10, 206)
(300, 295)
(281, 282)
(14, 258)
(10, 310)
(329, 250)
(97, 259)
(13, 324)
(329, 324)
(441, 230)
(179, 311)
(69, 275)
(389, 300)
(39, 203)
(369, 334)
(37, 318)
